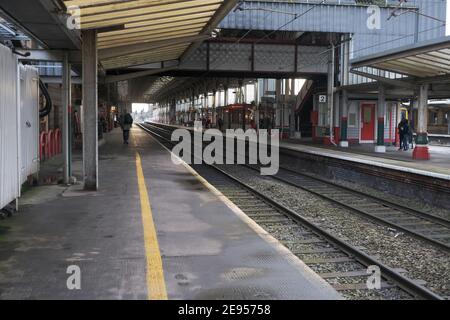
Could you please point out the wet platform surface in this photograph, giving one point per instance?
(209, 249)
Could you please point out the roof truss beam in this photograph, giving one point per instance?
(155, 26)
(137, 34)
(147, 39)
(148, 34)
(392, 82)
(142, 47)
(134, 75)
(50, 55)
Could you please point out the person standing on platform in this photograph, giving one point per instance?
(126, 123)
(401, 133)
(406, 130)
(220, 123)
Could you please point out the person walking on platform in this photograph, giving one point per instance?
(126, 123)
(401, 132)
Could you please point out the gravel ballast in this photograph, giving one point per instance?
(418, 259)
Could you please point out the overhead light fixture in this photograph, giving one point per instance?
(23, 54)
(215, 33)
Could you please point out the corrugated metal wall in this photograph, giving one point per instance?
(354, 108)
(9, 173)
(19, 124)
(29, 121)
(50, 69)
(353, 131)
(343, 16)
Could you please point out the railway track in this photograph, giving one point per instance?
(419, 224)
(435, 185)
(339, 263)
(424, 226)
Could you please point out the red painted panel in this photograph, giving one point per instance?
(337, 134)
(368, 121)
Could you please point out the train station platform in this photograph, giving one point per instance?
(153, 230)
(438, 166)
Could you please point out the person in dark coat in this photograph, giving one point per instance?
(220, 123)
(126, 123)
(406, 130)
(401, 132)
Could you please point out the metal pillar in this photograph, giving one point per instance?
(330, 95)
(294, 116)
(241, 99)
(421, 150)
(336, 117)
(344, 119)
(225, 96)
(448, 121)
(279, 108)
(66, 125)
(381, 110)
(192, 108)
(205, 105)
(289, 96)
(213, 111)
(257, 105)
(440, 117)
(224, 114)
(90, 110)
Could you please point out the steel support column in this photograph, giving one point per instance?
(257, 102)
(329, 136)
(192, 106)
(225, 102)
(421, 150)
(289, 95)
(344, 119)
(336, 117)
(279, 106)
(66, 125)
(240, 95)
(214, 105)
(381, 110)
(90, 110)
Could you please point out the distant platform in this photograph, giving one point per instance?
(207, 248)
(438, 166)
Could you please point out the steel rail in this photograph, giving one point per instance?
(364, 213)
(387, 272)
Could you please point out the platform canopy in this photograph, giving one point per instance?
(136, 32)
(424, 60)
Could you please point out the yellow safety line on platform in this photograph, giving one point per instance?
(156, 287)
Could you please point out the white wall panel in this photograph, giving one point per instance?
(29, 121)
(9, 186)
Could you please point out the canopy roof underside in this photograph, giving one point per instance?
(428, 60)
(124, 23)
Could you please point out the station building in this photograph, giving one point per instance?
(338, 99)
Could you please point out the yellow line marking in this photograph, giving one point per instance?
(156, 287)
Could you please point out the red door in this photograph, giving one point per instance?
(367, 122)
